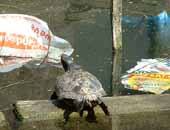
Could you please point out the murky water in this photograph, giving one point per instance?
(87, 25)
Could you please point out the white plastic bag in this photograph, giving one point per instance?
(24, 36)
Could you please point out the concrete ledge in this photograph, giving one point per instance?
(3, 123)
(139, 103)
(43, 115)
(141, 112)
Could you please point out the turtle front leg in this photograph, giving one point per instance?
(81, 113)
(66, 116)
(91, 117)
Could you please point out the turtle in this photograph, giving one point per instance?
(77, 90)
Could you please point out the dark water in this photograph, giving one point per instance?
(87, 25)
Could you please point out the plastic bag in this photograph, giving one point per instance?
(149, 75)
(26, 38)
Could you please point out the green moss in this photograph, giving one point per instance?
(75, 122)
(53, 121)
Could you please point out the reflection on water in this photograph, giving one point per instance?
(160, 34)
(93, 47)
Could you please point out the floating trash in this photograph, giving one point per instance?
(25, 38)
(149, 75)
(152, 75)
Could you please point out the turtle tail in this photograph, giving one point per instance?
(54, 96)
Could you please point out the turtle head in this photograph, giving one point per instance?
(68, 63)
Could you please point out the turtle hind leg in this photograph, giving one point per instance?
(66, 116)
(104, 107)
(91, 117)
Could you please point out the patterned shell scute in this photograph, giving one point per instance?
(79, 84)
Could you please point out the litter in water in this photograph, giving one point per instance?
(26, 38)
(149, 75)
(152, 75)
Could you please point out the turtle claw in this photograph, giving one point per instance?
(65, 122)
(91, 120)
(81, 113)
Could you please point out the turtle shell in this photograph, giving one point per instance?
(79, 85)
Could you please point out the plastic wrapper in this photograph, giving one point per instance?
(24, 38)
(149, 75)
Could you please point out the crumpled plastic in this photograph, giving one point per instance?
(152, 75)
(25, 38)
(149, 75)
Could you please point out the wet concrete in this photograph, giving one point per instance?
(126, 113)
(32, 117)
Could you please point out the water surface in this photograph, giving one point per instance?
(87, 25)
